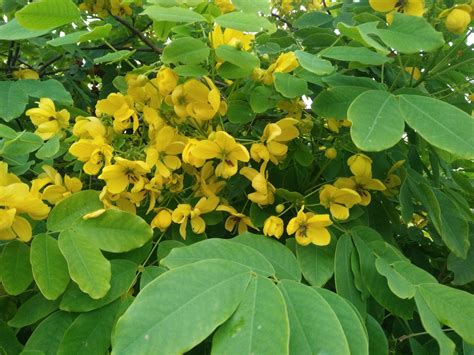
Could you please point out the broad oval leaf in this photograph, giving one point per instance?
(15, 267)
(244, 22)
(377, 122)
(49, 266)
(13, 31)
(65, 213)
(314, 64)
(173, 14)
(219, 249)
(240, 58)
(378, 343)
(185, 50)
(396, 282)
(13, 100)
(316, 263)
(315, 328)
(259, 325)
(192, 300)
(33, 310)
(290, 86)
(282, 259)
(440, 123)
(334, 102)
(87, 266)
(253, 6)
(354, 54)
(123, 275)
(114, 231)
(47, 14)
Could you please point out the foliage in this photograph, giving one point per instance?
(236, 177)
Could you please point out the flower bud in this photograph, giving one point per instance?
(162, 219)
(330, 153)
(279, 208)
(458, 20)
(273, 227)
(360, 165)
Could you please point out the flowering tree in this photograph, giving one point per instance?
(236, 177)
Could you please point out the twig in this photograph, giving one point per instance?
(139, 34)
(282, 20)
(325, 6)
(48, 63)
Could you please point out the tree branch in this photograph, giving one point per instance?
(139, 34)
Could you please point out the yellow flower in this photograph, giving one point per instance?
(273, 227)
(167, 80)
(162, 220)
(274, 139)
(310, 228)
(231, 37)
(120, 107)
(224, 5)
(414, 72)
(334, 125)
(123, 173)
(207, 183)
(360, 165)
(224, 147)
(330, 153)
(185, 212)
(119, 8)
(392, 181)
(95, 153)
(285, 63)
(189, 157)
(236, 222)
(47, 121)
(13, 226)
(338, 200)
(26, 74)
(314, 5)
(361, 184)
(264, 191)
(409, 7)
(164, 152)
(458, 19)
(58, 188)
(89, 127)
(142, 91)
(195, 99)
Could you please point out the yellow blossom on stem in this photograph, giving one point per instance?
(310, 228)
(222, 146)
(163, 153)
(26, 74)
(360, 165)
(123, 173)
(264, 191)
(207, 183)
(335, 125)
(57, 188)
(408, 7)
(185, 212)
(458, 18)
(167, 80)
(236, 222)
(95, 153)
(273, 227)
(392, 181)
(47, 120)
(339, 201)
(230, 37)
(224, 5)
(362, 184)
(121, 108)
(89, 127)
(162, 220)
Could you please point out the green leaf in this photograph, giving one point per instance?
(71, 38)
(463, 269)
(245, 22)
(441, 124)
(7, 132)
(410, 34)
(13, 31)
(65, 213)
(316, 263)
(253, 6)
(114, 57)
(123, 275)
(90, 332)
(185, 50)
(377, 122)
(452, 307)
(24, 143)
(259, 325)
(149, 274)
(313, 323)
(290, 86)
(87, 266)
(173, 14)
(343, 275)
(179, 302)
(361, 33)
(190, 70)
(239, 58)
(282, 259)
(99, 32)
(334, 102)
(314, 64)
(354, 54)
(350, 320)
(313, 19)
(239, 112)
(432, 326)
(49, 148)
(47, 14)
(49, 266)
(33, 310)
(46, 88)
(378, 343)
(13, 100)
(15, 267)
(114, 231)
(49, 333)
(396, 282)
(9, 343)
(219, 249)
(260, 99)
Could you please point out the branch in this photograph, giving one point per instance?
(48, 63)
(139, 34)
(290, 26)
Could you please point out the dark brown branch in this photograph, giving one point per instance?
(282, 20)
(325, 6)
(48, 63)
(139, 34)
